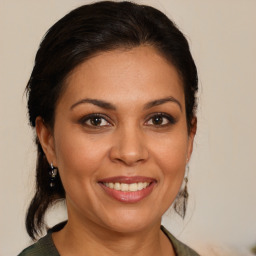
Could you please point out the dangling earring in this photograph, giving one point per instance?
(180, 204)
(53, 173)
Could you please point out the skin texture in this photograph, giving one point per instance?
(127, 142)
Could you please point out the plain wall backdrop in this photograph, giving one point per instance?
(222, 35)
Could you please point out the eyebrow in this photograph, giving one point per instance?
(99, 103)
(162, 101)
(107, 105)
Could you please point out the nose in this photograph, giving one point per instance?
(129, 147)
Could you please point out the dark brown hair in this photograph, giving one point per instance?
(85, 31)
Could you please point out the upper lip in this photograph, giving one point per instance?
(127, 179)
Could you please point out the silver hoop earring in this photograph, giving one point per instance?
(53, 174)
(180, 204)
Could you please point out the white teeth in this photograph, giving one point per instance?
(117, 186)
(140, 186)
(133, 187)
(127, 187)
(124, 187)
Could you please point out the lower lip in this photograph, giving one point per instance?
(129, 196)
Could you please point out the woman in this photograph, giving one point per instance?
(112, 99)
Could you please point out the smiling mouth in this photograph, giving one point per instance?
(124, 187)
(128, 189)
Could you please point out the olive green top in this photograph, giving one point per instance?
(46, 247)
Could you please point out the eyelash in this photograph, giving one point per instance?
(90, 117)
(170, 120)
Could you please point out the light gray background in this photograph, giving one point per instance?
(222, 209)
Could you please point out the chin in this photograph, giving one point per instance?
(130, 221)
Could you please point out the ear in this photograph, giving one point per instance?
(45, 136)
(191, 137)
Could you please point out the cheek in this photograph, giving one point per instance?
(170, 151)
(170, 155)
(78, 155)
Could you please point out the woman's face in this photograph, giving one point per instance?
(120, 139)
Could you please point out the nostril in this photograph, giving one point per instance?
(130, 158)
(129, 146)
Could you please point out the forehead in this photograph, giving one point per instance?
(125, 74)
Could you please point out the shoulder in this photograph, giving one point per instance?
(42, 247)
(45, 245)
(179, 248)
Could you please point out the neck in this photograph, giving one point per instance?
(92, 239)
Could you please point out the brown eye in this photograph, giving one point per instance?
(94, 120)
(160, 120)
(157, 120)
